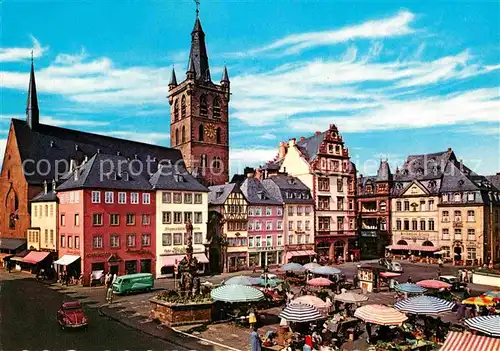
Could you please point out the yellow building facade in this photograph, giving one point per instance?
(42, 234)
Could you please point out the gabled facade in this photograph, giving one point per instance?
(265, 225)
(180, 200)
(374, 209)
(230, 203)
(298, 215)
(42, 235)
(323, 164)
(199, 115)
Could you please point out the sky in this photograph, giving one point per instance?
(397, 78)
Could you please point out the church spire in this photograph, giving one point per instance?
(198, 54)
(225, 76)
(173, 80)
(32, 112)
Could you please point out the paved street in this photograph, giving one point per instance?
(28, 322)
(28, 316)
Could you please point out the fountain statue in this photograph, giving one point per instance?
(188, 266)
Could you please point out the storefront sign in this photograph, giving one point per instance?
(181, 228)
(299, 247)
(369, 233)
(182, 249)
(265, 248)
(414, 237)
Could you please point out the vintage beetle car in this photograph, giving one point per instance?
(456, 285)
(71, 315)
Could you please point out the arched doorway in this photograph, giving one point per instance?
(401, 242)
(427, 243)
(457, 253)
(322, 249)
(338, 249)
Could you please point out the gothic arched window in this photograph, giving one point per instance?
(218, 136)
(176, 110)
(183, 107)
(200, 132)
(203, 161)
(216, 108)
(216, 162)
(176, 136)
(183, 134)
(203, 106)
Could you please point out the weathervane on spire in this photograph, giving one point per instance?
(31, 56)
(197, 2)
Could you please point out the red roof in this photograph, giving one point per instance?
(456, 341)
(35, 256)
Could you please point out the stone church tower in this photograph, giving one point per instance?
(199, 115)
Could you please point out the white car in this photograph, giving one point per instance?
(396, 267)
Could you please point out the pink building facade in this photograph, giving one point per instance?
(265, 225)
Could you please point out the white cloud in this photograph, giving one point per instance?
(394, 26)
(268, 136)
(251, 157)
(3, 144)
(20, 54)
(61, 121)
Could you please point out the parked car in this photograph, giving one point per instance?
(391, 265)
(456, 285)
(133, 282)
(71, 315)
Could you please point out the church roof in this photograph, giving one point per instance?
(198, 58)
(57, 146)
(384, 172)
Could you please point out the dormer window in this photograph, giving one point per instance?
(432, 184)
(291, 181)
(219, 193)
(125, 176)
(179, 178)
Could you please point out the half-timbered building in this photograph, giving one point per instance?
(230, 203)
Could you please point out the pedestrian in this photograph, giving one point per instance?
(469, 276)
(368, 332)
(409, 279)
(464, 275)
(460, 276)
(255, 342)
(67, 278)
(352, 257)
(440, 263)
(252, 319)
(109, 290)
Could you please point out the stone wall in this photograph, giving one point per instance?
(177, 314)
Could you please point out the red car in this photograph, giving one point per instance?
(71, 315)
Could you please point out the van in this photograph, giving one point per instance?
(133, 282)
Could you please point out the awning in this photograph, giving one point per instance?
(67, 260)
(456, 341)
(173, 260)
(413, 248)
(35, 256)
(5, 255)
(291, 254)
(11, 244)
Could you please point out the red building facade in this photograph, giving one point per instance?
(374, 208)
(111, 226)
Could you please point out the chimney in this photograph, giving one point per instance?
(75, 175)
(302, 138)
(282, 150)
(54, 186)
(449, 149)
(45, 187)
(317, 133)
(258, 173)
(72, 165)
(292, 142)
(250, 174)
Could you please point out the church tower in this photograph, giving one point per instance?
(199, 115)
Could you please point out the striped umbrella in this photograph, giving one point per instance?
(300, 313)
(320, 282)
(380, 314)
(410, 288)
(236, 293)
(270, 281)
(350, 297)
(314, 301)
(310, 266)
(293, 267)
(433, 284)
(428, 305)
(485, 324)
(326, 270)
(240, 280)
(479, 301)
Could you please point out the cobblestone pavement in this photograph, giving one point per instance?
(133, 310)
